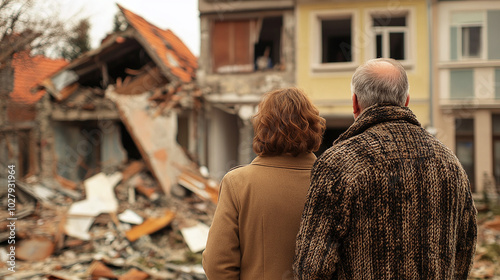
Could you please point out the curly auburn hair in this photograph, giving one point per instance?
(287, 122)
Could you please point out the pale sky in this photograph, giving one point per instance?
(180, 16)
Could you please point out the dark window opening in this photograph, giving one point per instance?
(129, 144)
(25, 148)
(390, 36)
(464, 133)
(78, 149)
(336, 40)
(471, 41)
(379, 46)
(183, 131)
(388, 20)
(267, 49)
(85, 148)
(397, 45)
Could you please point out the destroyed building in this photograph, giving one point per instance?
(247, 49)
(102, 146)
(21, 116)
(133, 97)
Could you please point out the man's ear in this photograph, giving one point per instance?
(356, 110)
(407, 100)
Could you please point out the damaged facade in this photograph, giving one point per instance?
(134, 97)
(106, 147)
(21, 114)
(247, 48)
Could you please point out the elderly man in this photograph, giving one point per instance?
(387, 200)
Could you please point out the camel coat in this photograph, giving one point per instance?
(257, 218)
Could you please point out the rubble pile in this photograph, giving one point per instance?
(111, 226)
(487, 258)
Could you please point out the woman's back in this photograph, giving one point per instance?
(269, 196)
(260, 205)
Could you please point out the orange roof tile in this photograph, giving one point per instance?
(169, 48)
(28, 73)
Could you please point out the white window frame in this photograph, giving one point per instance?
(483, 50)
(316, 40)
(373, 31)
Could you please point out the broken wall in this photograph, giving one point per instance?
(247, 49)
(155, 135)
(84, 148)
(18, 128)
(226, 69)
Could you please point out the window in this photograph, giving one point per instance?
(466, 35)
(471, 41)
(333, 44)
(246, 45)
(464, 133)
(336, 40)
(391, 35)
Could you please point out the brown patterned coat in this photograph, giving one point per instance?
(387, 201)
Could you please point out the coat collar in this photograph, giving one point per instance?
(302, 161)
(376, 114)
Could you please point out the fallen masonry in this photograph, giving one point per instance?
(114, 231)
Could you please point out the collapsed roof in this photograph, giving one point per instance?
(143, 72)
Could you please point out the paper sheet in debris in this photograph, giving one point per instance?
(129, 216)
(196, 237)
(155, 136)
(100, 199)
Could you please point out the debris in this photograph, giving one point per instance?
(43, 192)
(98, 269)
(68, 184)
(134, 274)
(149, 226)
(4, 257)
(61, 276)
(148, 192)
(198, 185)
(100, 189)
(63, 186)
(129, 216)
(100, 199)
(132, 169)
(35, 249)
(78, 227)
(77, 217)
(196, 237)
(155, 137)
(493, 224)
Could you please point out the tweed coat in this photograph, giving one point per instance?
(387, 201)
(253, 232)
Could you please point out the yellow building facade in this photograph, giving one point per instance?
(335, 37)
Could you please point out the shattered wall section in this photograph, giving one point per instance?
(280, 74)
(155, 136)
(112, 152)
(84, 148)
(269, 40)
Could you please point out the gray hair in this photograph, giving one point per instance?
(377, 82)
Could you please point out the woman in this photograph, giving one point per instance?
(260, 205)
